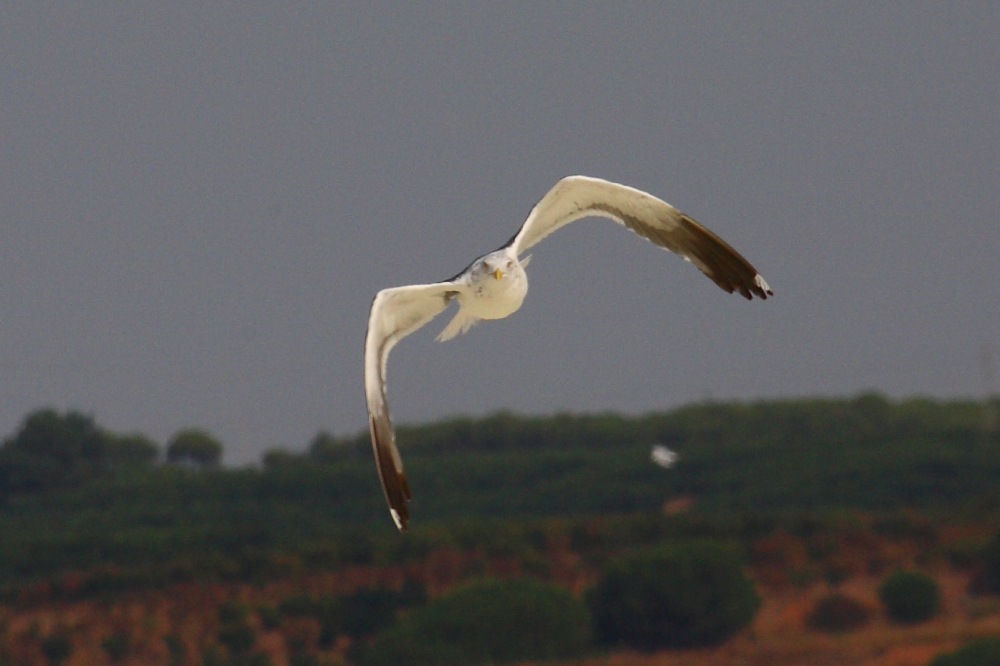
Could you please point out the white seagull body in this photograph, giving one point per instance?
(494, 285)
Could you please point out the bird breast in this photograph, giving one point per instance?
(495, 299)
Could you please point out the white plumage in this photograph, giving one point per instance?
(494, 285)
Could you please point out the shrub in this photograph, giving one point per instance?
(987, 578)
(117, 645)
(838, 612)
(194, 447)
(368, 611)
(327, 610)
(361, 614)
(679, 595)
(235, 631)
(270, 616)
(489, 621)
(910, 596)
(237, 636)
(980, 652)
(57, 647)
(176, 651)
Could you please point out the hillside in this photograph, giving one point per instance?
(308, 612)
(77, 497)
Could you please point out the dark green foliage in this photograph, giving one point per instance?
(233, 611)
(70, 502)
(270, 617)
(255, 659)
(117, 645)
(237, 637)
(367, 612)
(235, 631)
(910, 596)
(275, 458)
(489, 621)
(57, 647)
(987, 579)
(979, 652)
(413, 593)
(329, 611)
(837, 613)
(676, 595)
(258, 659)
(211, 655)
(300, 605)
(302, 659)
(52, 451)
(326, 449)
(130, 450)
(194, 447)
(358, 615)
(176, 650)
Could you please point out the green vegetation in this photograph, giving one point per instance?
(194, 447)
(51, 452)
(235, 631)
(838, 612)
(74, 497)
(175, 649)
(678, 595)
(489, 621)
(359, 615)
(910, 596)
(117, 645)
(987, 581)
(57, 646)
(981, 652)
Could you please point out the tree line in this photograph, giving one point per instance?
(51, 451)
(73, 494)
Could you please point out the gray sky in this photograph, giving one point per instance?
(197, 205)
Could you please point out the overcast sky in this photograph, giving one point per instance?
(198, 205)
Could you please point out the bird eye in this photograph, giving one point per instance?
(510, 264)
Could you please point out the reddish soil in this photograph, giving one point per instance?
(790, 573)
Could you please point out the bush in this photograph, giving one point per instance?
(838, 612)
(235, 631)
(361, 614)
(490, 621)
(176, 651)
(194, 447)
(980, 652)
(57, 647)
(117, 645)
(679, 595)
(987, 578)
(910, 596)
(368, 611)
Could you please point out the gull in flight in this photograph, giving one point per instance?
(494, 285)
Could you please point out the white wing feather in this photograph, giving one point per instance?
(395, 313)
(576, 197)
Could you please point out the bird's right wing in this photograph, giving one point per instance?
(395, 313)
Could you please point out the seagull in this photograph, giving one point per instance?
(494, 286)
(663, 456)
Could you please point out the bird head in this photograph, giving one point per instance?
(502, 265)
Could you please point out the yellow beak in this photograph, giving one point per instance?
(498, 273)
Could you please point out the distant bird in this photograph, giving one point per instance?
(494, 285)
(662, 456)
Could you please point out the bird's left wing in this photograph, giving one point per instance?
(575, 197)
(395, 313)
